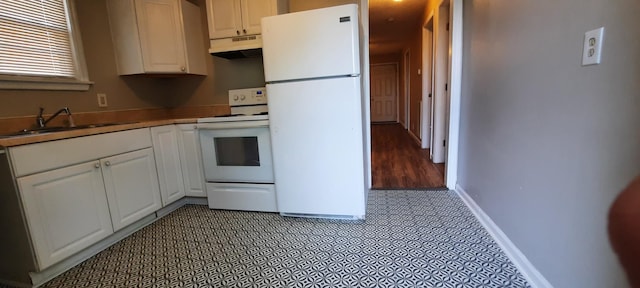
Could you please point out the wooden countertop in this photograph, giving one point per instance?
(50, 136)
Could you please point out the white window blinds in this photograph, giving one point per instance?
(35, 38)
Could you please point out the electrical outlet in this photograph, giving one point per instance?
(592, 51)
(102, 100)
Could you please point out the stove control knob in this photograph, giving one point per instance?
(242, 97)
(235, 98)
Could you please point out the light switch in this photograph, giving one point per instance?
(592, 47)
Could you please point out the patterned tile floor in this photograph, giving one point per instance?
(409, 239)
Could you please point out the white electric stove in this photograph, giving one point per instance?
(236, 153)
(245, 105)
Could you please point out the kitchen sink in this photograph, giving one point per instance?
(34, 131)
(43, 130)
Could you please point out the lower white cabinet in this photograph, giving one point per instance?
(78, 191)
(191, 160)
(69, 209)
(66, 210)
(131, 183)
(165, 147)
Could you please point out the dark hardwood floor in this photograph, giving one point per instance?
(399, 162)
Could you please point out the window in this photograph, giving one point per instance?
(40, 47)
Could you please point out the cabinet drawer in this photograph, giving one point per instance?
(34, 158)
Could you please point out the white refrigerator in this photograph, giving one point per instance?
(312, 70)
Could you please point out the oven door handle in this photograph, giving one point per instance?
(233, 125)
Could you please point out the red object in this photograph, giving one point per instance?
(624, 230)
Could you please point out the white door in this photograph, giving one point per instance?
(384, 93)
(131, 182)
(427, 81)
(225, 18)
(252, 13)
(161, 36)
(66, 211)
(191, 161)
(311, 44)
(165, 148)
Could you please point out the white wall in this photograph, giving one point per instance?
(547, 144)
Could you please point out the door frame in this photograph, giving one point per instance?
(406, 60)
(441, 76)
(455, 90)
(397, 85)
(427, 85)
(456, 20)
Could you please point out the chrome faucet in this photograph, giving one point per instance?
(41, 122)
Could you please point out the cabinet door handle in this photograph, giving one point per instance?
(237, 32)
(107, 163)
(182, 68)
(244, 30)
(97, 165)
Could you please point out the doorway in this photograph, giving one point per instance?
(398, 160)
(449, 100)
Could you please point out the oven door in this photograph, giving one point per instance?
(236, 152)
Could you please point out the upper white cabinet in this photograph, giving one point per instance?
(165, 148)
(229, 18)
(157, 37)
(235, 24)
(225, 18)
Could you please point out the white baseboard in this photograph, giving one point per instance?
(415, 138)
(526, 268)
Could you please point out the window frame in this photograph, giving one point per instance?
(81, 80)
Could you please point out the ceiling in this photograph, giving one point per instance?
(391, 22)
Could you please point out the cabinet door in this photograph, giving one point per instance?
(225, 18)
(252, 13)
(161, 36)
(131, 182)
(191, 160)
(165, 148)
(66, 211)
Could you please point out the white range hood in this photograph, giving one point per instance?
(237, 47)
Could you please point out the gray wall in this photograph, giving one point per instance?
(547, 144)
